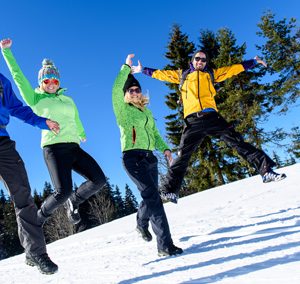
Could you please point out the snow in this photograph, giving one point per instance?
(243, 232)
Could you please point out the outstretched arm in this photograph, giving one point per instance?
(172, 76)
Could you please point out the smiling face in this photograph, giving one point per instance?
(199, 61)
(50, 85)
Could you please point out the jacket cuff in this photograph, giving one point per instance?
(249, 64)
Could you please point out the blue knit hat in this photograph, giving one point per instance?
(48, 71)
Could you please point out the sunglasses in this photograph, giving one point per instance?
(48, 81)
(202, 59)
(132, 91)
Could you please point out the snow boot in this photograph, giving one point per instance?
(44, 264)
(145, 234)
(272, 176)
(72, 212)
(171, 250)
(168, 196)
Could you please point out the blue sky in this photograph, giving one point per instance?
(89, 40)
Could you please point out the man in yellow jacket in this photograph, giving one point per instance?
(202, 118)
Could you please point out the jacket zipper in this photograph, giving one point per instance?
(147, 131)
(199, 91)
(133, 135)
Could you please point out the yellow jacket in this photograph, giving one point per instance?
(197, 90)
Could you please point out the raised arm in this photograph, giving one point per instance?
(26, 91)
(117, 92)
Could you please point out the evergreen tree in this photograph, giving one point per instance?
(47, 190)
(179, 51)
(130, 202)
(119, 203)
(281, 51)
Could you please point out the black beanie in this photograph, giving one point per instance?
(130, 82)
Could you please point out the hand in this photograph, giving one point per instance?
(5, 43)
(169, 157)
(260, 61)
(128, 59)
(53, 126)
(137, 69)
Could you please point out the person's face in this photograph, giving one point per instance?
(199, 61)
(50, 85)
(134, 93)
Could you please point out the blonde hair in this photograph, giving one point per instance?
(141, 103)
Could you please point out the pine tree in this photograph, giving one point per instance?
(119, 203)
(47, 190)
(179, 51)
(281, 51)
(130, 202)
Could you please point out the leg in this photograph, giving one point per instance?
(255, 157)
(87, 167)
(192, 136)
(140, 169)
(14, 175)
(59, 160)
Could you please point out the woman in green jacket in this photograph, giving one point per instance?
(62, 152)
(139, 137)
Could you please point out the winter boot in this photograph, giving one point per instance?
(72, 212)
(168, 196)
(272, 176)
(44, 264)
(145, 234)
(171, 250)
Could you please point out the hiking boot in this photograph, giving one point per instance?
(272, 176)
(44, 264)
(72, 212)
(169, 196)
(171, 250)
(145, 234)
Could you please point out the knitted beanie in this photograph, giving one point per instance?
(48, 71)
(131, 82)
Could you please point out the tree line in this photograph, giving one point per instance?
(99, 209)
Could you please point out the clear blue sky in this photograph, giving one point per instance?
(89, 40)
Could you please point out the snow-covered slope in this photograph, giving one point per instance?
(243, 232)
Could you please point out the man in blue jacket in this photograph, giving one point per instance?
(14, 176)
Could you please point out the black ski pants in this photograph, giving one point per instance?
(14, 176)
(141, 166)
(198, 126)
(61, 159)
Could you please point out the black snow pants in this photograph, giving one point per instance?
(14, 176)
(141, 166)
(198, 126)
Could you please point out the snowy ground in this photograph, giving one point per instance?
(240, 233)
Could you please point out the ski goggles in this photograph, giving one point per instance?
(53, 81)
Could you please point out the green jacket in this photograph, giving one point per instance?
(138, 130)
(56, 107)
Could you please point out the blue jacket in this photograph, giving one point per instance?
(11, 105)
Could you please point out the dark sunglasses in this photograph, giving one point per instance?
(202, 59)
(136, 90)
(48, 81)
